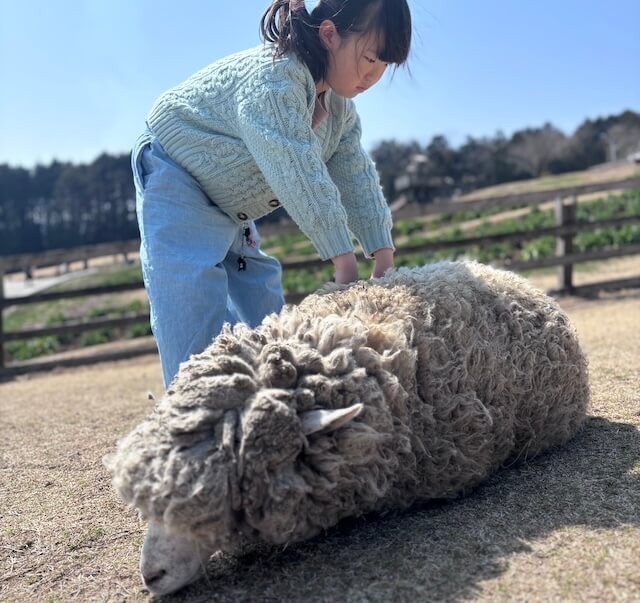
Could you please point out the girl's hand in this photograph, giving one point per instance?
(384, 261)
(346, 267)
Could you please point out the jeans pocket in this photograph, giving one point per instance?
(136, 155)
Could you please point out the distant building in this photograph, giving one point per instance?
(416, 184)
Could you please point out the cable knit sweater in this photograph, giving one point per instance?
(242, 127)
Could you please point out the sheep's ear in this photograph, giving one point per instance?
(318, 420)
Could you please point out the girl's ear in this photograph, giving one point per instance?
(329, 36)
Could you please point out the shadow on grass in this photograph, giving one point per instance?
(442, 551)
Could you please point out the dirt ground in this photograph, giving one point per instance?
(562, 527)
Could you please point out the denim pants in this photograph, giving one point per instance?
(190, 252)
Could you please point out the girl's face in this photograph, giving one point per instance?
(354, 65)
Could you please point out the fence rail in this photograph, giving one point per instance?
(564, 231)
(25, 262)
(78, 327)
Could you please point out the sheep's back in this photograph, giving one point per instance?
(500, 373)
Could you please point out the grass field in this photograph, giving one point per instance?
(601, 175)
(563, 527)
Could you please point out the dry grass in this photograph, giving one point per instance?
(589, 273)
(593, 176)
(563, 527)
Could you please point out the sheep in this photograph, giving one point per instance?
(364, 398)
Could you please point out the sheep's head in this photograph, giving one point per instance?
(169, 560)
(247, 444)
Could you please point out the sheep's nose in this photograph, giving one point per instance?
(150, 577)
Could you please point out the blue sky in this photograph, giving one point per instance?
(77, 77)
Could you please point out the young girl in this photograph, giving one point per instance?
(271, 126)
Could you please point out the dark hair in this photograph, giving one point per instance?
(288, 25)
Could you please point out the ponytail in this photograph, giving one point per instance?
(291, 28)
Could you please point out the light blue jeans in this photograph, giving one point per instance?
(189, 253)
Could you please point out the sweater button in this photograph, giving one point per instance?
(274, 203)
(242, 216)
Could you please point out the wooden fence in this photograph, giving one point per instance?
(565, 258)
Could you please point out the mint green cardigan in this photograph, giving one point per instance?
(242, 128)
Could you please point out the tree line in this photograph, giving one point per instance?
(65, 205)
(528, 153)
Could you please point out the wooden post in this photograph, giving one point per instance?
(565, 214)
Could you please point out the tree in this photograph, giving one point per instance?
(533, 150)
(391, 158)
(14, 208)
(622, 140)
(441, 158)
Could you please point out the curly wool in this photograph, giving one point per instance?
(461, 368)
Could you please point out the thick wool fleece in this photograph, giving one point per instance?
(461, 368)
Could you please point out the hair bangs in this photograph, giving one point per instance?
(393, 21)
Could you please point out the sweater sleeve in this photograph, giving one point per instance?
(274, 121)
(354, 173)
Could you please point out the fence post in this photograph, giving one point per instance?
(1, 322)
(565, 215)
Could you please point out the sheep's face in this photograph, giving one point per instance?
(247, 445)
(169, 561)
(253, 441)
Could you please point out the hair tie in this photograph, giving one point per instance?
(311, 5)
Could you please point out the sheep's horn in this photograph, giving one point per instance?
(317, 420)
